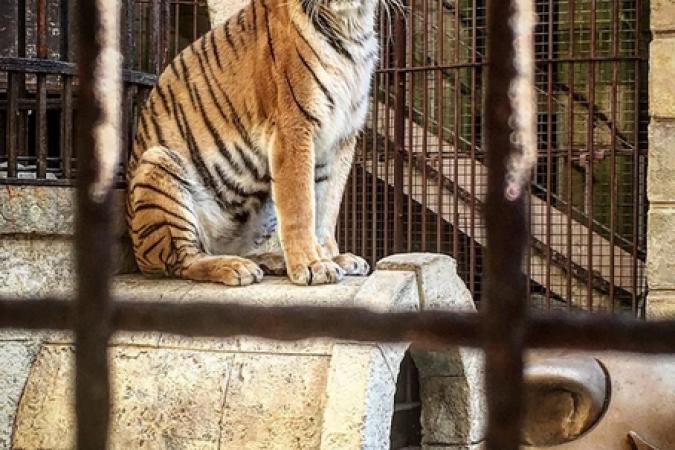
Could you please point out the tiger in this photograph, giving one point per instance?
(245, 143)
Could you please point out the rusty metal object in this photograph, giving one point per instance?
(639, 409)
(564, 398)
(639, 443)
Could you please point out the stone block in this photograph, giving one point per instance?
(662, 15)
(660, 180)
(274, 402)
(360, 391)
(446, 419)
(160, 399)
(47, 210)
(661, 248)
(45, 416)
(661, 305)
(661, 83)
(439, 285)
(17, 358)
(32, 265)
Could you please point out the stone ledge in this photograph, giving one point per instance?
(176, 392)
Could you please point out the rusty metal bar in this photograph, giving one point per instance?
(399, 128)
(11, 139)
(94, 225)
(590, 144)
(66, 95)
(41, 105)
(155, 36)
(427, 329)
(507, 237)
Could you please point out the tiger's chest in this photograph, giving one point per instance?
(345, 115)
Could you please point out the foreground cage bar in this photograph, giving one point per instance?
(507, 230)
(430, 329)
(99, 71)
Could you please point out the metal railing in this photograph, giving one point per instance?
(502, 329)
(419, 179)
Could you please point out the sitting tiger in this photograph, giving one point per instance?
(244, 146)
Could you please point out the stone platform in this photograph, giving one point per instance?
(248, 393)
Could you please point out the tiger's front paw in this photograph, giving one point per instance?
(317, 272)
(352, 264)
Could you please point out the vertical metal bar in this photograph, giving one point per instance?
(472, 149)
(549, 151)
(176, 27)
(130, 48)
(194, 20)
(411, 121)
(570, 152)
(439, 39)
(507, 237)
(636, 164)
(425, 123)
(590, 144)
(67, 127)
(94, 229)
(455, 143)
(22, 119)
(375, 110)
(612, 157)
(12, 141)
(399, 128)
(155, 36)
(41, 107)
(66, 95)
(166, 33)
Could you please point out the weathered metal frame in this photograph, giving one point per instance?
(502, 329)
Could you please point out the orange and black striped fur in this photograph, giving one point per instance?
(245, 143)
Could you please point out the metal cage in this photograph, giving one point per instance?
(419, 180)
(503, 329)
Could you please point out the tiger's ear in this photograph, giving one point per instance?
(564, 398)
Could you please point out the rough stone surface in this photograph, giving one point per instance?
(661, 305)
(175, 392)
(362, 379)
(32, 266)
(660, 181)
(45, 210)
(36, 228)
(661, 248)
(439, 285)
(274, 403)
(17, 358)
(443, 373)
(662, 15)
(661, 70)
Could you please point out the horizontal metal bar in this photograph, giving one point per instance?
(539, 61)
(427, 329)
(53, 67)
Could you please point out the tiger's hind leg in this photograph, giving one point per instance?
(164, 225)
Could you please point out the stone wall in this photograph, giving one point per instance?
(661, 182)
(37, 224)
